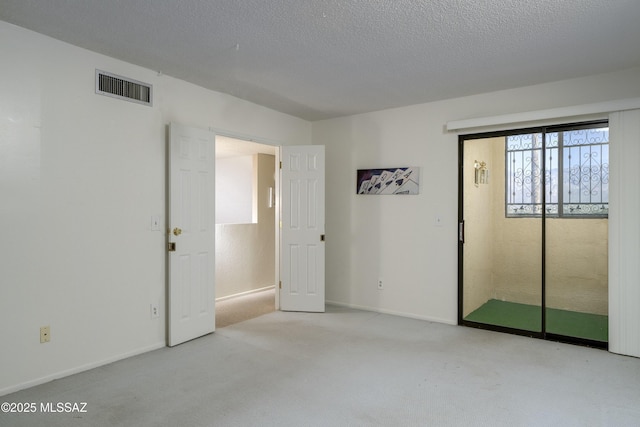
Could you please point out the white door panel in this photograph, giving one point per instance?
(302, 215)
(191, 219)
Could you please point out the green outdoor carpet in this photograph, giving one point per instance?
(528, 317)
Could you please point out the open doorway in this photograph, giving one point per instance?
(245, 230)
(198, 258)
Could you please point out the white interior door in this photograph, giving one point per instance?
(191, 223)
(302, 215)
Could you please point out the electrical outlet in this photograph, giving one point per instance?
(45, 334)
(380, 284)
(155, 312)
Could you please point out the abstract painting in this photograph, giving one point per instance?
(405, 180)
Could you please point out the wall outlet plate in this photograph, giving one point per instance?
(45, 334)
(155, 311)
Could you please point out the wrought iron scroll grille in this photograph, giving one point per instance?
(574, 174)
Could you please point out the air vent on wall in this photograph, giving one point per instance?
(123, 88)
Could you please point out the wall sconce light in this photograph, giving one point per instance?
(481, 173)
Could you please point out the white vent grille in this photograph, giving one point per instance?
(123, 88)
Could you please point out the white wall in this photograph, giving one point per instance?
(234, 190)
(395, 237)
(80, 177)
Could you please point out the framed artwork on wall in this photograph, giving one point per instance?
(401, 181)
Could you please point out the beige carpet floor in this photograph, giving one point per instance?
(245, 307)
(347, 368)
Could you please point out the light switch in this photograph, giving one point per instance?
(155, 223)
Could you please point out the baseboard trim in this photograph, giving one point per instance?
(253, 291)
(78, 369)
(394, 313)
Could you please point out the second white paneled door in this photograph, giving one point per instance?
(302, 256)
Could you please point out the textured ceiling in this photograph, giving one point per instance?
(319, 59)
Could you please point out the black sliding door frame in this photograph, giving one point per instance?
(543, 130)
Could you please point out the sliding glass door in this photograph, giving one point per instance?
(533, 232)
(576, 233)
(502, 267)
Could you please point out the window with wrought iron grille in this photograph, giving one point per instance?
(569, 177)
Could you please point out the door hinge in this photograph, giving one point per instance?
(280, 165)
(461, 232)
(280, 286)
(171, 247)
(322, 237)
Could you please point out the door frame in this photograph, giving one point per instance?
(543, 334)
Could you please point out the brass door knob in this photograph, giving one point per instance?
(177, 231)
